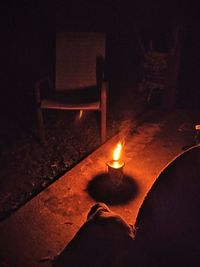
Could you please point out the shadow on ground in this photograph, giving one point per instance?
(104, 189)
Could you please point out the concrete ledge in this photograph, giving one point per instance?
(41, 228)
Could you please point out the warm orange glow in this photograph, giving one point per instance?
(116, 164)
(80, 114)
(117, 152)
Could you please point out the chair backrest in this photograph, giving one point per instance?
(169, 219)
(155, 66)
(76, 55)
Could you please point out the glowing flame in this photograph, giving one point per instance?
(117, 152)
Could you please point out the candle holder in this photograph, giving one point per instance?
(115, 171)
(115, 166)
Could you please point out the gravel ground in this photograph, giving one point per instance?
(28, 167)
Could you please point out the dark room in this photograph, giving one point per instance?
(100, 133)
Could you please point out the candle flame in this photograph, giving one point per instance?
(117, 152)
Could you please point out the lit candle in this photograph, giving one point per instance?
(115, 166)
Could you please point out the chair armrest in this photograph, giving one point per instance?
(38, 87)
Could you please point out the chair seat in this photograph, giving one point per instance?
(72, 99)
(153, 84)
(53, 104)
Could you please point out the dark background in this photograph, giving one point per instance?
(28, 37)
(27, 53)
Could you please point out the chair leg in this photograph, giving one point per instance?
(103, 124)
(103, 111)
(40, 122)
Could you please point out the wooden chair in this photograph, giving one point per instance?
(79, 78)
(154, 73)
